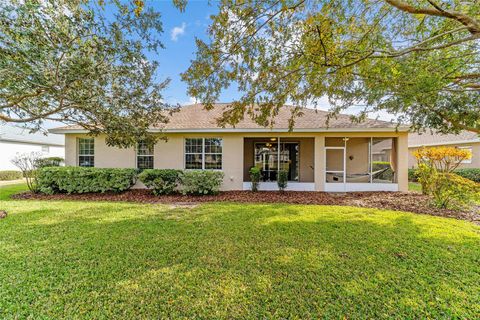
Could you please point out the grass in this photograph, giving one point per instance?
(103, 260)
(414, 186)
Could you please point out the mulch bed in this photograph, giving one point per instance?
(412, 202)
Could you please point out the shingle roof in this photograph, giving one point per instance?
(431, 138)
(19, 134)
(196, 117)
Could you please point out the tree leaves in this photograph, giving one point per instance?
(419, 60)
(81, 63)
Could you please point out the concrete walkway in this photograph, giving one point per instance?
(6, 183)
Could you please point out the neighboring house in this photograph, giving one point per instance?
(337, 158)
(16, 140)
(465, 140)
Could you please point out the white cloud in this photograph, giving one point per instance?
(178, 31)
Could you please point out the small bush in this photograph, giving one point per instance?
(412, 176)
(454, 192)
(27, 163)
(10, 175)
(84, 180)
(201, 182)
(48, 162)
(469, 173)
(282, 180)
(255, 176)
(161, 181)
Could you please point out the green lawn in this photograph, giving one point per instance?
(119, 260)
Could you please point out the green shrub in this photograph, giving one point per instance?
(161, 181)
(282, 180)
(412, 176)
(427, 176)
(255, 176)
(84, 180)
(380, 165)
(469, 173)
(48, 162)
(201, 182)
(454, 192)
(10, 175)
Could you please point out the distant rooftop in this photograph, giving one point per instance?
(431, 139)
(18, 134)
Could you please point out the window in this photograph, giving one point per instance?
(86, 149)
(144, 156)
(469, 149)
(45, 149)
(203, 153)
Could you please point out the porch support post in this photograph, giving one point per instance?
(402, 162)
(319, 163)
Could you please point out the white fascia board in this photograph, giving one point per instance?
(254, 130)
(40, 143)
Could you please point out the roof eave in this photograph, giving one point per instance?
(251, 130)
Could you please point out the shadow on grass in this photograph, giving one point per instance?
(236, 261)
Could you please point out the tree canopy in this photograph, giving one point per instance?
(417, 59)
(84, 63)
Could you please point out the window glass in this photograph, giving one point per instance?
(203, 153)
(86, 152)
(144, 156)
(193, 145)
(193, 161)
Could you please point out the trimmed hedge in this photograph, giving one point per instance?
(201, 182)
(49, 162)
(8, 175)
(85, 180)
(469, 173)
(161, 181)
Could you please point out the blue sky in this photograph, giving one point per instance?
(180, 30)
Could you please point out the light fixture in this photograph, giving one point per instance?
(273, 139)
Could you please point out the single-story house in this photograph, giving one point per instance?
(464, 140)
(17, 140)
(317, 157)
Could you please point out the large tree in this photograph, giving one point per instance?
(417, 59)
(81, 62)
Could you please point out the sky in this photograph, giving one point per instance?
(180, 30)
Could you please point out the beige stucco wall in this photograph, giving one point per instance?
(170, 154)
(475, 163)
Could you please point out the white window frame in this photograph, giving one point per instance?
(203, 153)
(85, 155)
(467, 161)
(145, 155)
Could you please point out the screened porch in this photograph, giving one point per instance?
(360, 164)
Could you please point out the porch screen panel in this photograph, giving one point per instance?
(334, 165)
(358, 160)
(383, 160)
